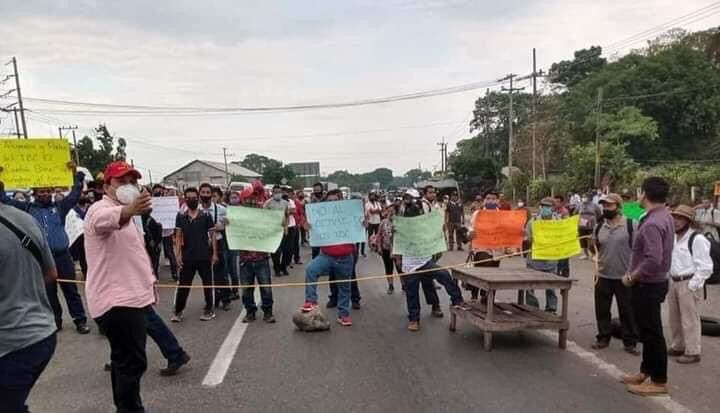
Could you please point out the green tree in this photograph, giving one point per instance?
(415, 175)
(616, 167)
(95, 159)
(255, 162)
(571, 72)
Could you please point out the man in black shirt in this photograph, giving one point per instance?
(454, 221)
(196, 251)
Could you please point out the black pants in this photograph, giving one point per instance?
(315, 252)
(154, 254)
(20, 369)
(169, 251)
(292, 247)
(389, 263)
(277, 258)
(646, 301)
(220, 274)
(605, 289)
(481, 256)
(77, 251)
(354, 290)
(186, 279)
(126, 330)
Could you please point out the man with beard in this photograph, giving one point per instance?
(50, 216)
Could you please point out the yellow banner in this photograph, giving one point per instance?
(35, 163)
(555, 239)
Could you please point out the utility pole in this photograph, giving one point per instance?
(534, 75)
(19, 95)
(75, 149)
(227, 175)
(511, 116)
(17, 124)
(597, 136)
(443, 156)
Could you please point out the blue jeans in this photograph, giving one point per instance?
(20, 370)
(550, 296)
(354, 290)
(66, 271)
(412, 288)
(162, 336)
(337, 268)
(231, 264)
(250, 273)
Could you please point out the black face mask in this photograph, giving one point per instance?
(205, 199)
(608, 214)
(44, 200)
(157, 194)
(192, 203)
(286, 197)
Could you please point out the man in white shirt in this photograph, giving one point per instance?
(708, 219)
(218, 213)
(691, 266)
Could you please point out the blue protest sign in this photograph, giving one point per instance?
(336, 222)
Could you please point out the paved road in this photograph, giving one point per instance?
(374, 366)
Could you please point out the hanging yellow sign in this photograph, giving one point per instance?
(555, 239)
(35, 163)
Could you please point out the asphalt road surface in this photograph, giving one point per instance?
(374, 366)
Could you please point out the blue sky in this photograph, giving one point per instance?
(253, 53)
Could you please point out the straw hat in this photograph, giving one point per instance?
(685, 212)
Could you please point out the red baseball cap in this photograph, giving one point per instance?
(118, 169)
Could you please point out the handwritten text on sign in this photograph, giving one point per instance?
(35, 163)
(499, 229)
(336, 222)
(420, 236)
(165, 210)
(254, 229)
(555, 239)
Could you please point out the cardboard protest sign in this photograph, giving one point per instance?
(336, 222)
(420, 236)
(555, 239)
(497, 229)
(35, 163)
(633, 210)
(165, 210)
(74, 226)
(254, 229)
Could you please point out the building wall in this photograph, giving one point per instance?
(194, 175)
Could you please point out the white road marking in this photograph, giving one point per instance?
(613, 371)
(223, 358)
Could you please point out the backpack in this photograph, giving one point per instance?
(630, 230)
(714, 255)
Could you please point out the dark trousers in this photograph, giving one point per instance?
(354, 290)
(389, 263)
(169, 251)
(186, 278)
(231, 264)
(484, 257)
(277, 257)
(303, 236)
(605, 290)
(154, 254)
(646, 302)
(292, 247)
(126, 330)
(412, 291)
(20, 370)
(315, 252)
(453, 234)
(66, 271)
(77, 251)
(220, 274)
(252, 272)
(162, 336)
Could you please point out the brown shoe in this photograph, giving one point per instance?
(675, 353)
(414, 326)
(637, 378)
(648, 388)
(685, 359)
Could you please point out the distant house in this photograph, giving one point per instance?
(199, 171)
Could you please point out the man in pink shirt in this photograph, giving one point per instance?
(120, 281)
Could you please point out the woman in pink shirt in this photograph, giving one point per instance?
(120, 280)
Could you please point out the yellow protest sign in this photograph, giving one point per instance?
(555, 239)
(35, 163)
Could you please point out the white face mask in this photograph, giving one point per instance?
(127, 194)
(521, 204)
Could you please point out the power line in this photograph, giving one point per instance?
(172, 110)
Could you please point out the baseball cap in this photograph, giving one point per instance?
(611, 198)
(118, 169)
(547, 201)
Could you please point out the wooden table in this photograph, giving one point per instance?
(495, 317)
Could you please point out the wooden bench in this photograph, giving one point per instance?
(493, 317)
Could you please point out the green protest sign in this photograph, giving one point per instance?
(633, 210)
(420, 236)
(254, 229)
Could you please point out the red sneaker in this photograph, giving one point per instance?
(308, 306)
(345, 321)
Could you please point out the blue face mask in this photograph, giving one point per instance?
(546, 211)
(490, 205)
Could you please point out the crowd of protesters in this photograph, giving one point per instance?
(665, 255)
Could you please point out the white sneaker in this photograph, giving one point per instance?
(177, 317)
(207, 315)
